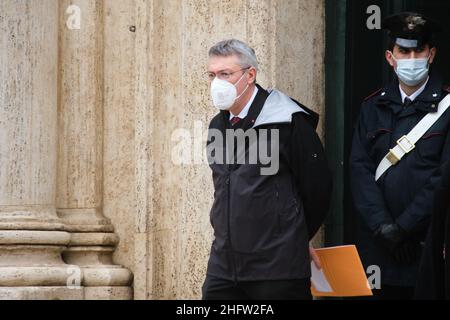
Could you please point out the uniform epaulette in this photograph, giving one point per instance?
(373, 94)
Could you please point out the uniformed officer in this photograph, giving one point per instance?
(393, 178)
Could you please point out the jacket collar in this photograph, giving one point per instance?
(427, 101)
(271, 108)
(278, 108)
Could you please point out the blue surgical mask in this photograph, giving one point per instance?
(412, 71)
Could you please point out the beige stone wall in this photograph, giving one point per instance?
(154, 85)
(28, 151)
(127, 80)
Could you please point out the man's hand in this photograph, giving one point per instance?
(314, 257)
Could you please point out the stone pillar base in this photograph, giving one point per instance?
(91, 248)
(31, 266)
(64, 293)
(41, 293)
(108, 293)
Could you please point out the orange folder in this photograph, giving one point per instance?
(342, 274)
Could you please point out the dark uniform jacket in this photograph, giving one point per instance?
(434, 276)
(263, 223)
(404, 194)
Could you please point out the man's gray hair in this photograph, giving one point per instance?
(226, 48)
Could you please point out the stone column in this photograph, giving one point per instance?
(32, 236)
(80, 154)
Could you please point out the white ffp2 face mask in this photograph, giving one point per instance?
(224, 93)
(412, 71)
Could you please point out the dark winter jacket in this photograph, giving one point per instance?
(263, 223)
(434, 276)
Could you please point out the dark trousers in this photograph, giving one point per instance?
(394, 293)
(219, 289)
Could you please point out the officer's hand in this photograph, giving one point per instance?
(390, 236)
(315, 257)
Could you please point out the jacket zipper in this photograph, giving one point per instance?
(278, 213)
(233, 264)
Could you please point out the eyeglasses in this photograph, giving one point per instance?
(222, 75)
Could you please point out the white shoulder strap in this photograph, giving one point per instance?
(407, 143)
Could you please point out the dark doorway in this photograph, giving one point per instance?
(356, 67)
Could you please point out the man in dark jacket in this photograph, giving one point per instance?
(271, 181)
(434, 276)
(393, 190)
